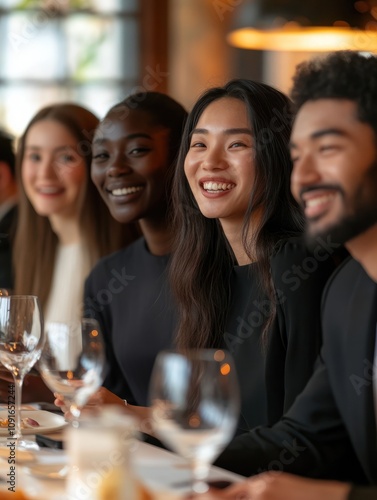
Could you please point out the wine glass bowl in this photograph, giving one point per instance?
(72, 362)
(19, 356)
(21, 343)
(195, 406)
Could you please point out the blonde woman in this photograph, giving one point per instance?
(63, 226)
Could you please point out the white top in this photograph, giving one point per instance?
(66, 296)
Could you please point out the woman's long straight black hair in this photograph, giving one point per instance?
(203, 260)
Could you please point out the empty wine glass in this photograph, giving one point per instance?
(21, 343)
(195, 405)
(72, 362)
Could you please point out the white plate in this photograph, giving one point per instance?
(48, 422)
(47, 471)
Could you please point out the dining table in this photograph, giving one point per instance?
(153, 472)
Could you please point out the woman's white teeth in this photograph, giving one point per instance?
(128, 190)
(214, 187)
(49, 190)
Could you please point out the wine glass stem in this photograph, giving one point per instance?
(75, 412)
(199, 472)
(18, 381)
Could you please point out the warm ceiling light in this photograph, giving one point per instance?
(304, 39)
(298, 25)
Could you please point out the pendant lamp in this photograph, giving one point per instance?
(305, 25)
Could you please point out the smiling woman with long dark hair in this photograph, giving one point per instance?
(240, 273)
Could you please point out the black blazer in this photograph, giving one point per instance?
(330, 431)
(7, 225)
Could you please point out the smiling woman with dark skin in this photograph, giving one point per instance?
(129, 170)
(134, 151)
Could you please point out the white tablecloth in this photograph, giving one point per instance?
(163, 473)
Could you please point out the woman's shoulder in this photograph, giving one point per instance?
(294, 247)
(134, 258)
(294, 262)
(119, 257)
(289, 248)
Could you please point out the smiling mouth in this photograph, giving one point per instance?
(319, 200)
(50, 190)
(125, 190)
(316, 206)
(217, 187)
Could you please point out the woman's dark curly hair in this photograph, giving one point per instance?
(340, 75)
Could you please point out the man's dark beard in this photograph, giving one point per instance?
(363, 214)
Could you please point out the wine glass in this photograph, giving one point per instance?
(21, 343)
(195, 405)
(72, 362)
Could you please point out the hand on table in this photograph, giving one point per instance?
(280, 486)
(105, 397)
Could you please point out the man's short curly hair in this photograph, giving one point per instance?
(340, 75)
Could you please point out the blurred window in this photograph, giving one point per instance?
(83, 51)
